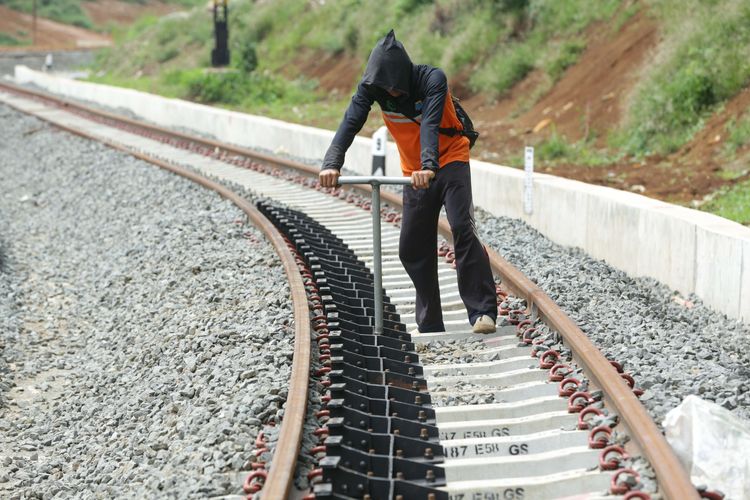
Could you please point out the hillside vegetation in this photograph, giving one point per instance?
(72, 11)
(300, 59)
(64, 11)
(504, 40)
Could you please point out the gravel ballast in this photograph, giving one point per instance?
(672, 349)
(671, 345)
(145, 329)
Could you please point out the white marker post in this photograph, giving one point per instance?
(528, 183)
(379, 141)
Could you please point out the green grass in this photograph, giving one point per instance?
(64, 11)
(546, 36)
(6, 39)
(490, 44)
(566, 56)
(495, 42)
(500, 73)
(557, 149)
(739, 135)
(156, 45)
(733, 203)
(254, 92)
(624, 16)
(184, 3)
(71, 12)
(703, 62)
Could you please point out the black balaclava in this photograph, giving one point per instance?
(389, 66)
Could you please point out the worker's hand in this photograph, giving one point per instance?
(329, 177)
(421, 179)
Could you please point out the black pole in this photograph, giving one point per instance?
(220, 53)
(33, 23)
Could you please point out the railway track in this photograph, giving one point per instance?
(534, 411)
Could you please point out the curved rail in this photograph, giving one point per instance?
(673, 480)
(281, 476)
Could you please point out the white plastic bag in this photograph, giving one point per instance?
(713, 445)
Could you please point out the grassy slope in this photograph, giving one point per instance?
(498, 41)
(703, 61)
(64, 11)
(70, 11)
(6, 39)
(459, 36)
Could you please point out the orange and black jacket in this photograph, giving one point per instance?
(413, 119)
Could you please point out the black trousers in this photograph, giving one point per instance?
(451, 188)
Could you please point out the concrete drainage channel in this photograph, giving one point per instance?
(541, 415)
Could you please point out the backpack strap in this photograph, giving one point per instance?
(450, 132)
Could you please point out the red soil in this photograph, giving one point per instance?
(587, 102)
(336, 74)
(50, 34)
(103, 12)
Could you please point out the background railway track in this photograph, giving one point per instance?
(527, 412)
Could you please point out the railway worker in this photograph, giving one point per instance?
(415, 102)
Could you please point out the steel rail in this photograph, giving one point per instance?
(281, 475)
(674, 482)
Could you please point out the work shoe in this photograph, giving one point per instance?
(484, 324)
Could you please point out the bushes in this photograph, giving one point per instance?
(408, 6)
(167, 53)
(509, 65)
(739, 135)
(154, 44)
(247, 58)
(226, 88)
(64, 11)
(556, 148)
(537, 26)
(732, 203)
(705, 64)
(567, 56)
(239, 89)
(9, 40)
(672, 110)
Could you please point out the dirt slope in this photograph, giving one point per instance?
(53, 35)
(50, 34)
(587, 102)
(698, 169)
(336, 74)
(103, 12)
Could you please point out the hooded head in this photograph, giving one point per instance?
(389, 66)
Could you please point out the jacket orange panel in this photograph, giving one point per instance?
(406, 134)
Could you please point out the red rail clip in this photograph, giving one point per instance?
(545, 362)
(252, 485)
(642, 495)
(583, 423)
(555, 376)
(611, 456)
(568, 387)
(578, 401)
(599, 437)
(618, 488)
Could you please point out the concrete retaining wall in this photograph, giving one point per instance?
(688, 250)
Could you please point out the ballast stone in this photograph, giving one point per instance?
(105, 318)
(671, 350)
